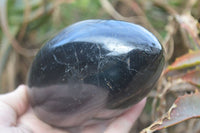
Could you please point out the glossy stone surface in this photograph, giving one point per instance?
(93, 71)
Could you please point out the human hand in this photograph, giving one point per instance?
(16, 116)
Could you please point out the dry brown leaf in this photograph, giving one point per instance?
(188, 60)
(184, 108)
(189, 23)
(193, 77)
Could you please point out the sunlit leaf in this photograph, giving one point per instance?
(188, 60)
(184, 108)
(193, 77)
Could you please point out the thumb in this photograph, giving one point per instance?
(13, 104)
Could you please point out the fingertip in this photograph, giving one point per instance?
(134, 112)
(17, 99)
(124, 123)
(22, 87)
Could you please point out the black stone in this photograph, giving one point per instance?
(92, 66)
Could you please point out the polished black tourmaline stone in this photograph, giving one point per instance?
(91, 69)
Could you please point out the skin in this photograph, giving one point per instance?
(16, 116)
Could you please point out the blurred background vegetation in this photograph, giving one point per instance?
(26, 25)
